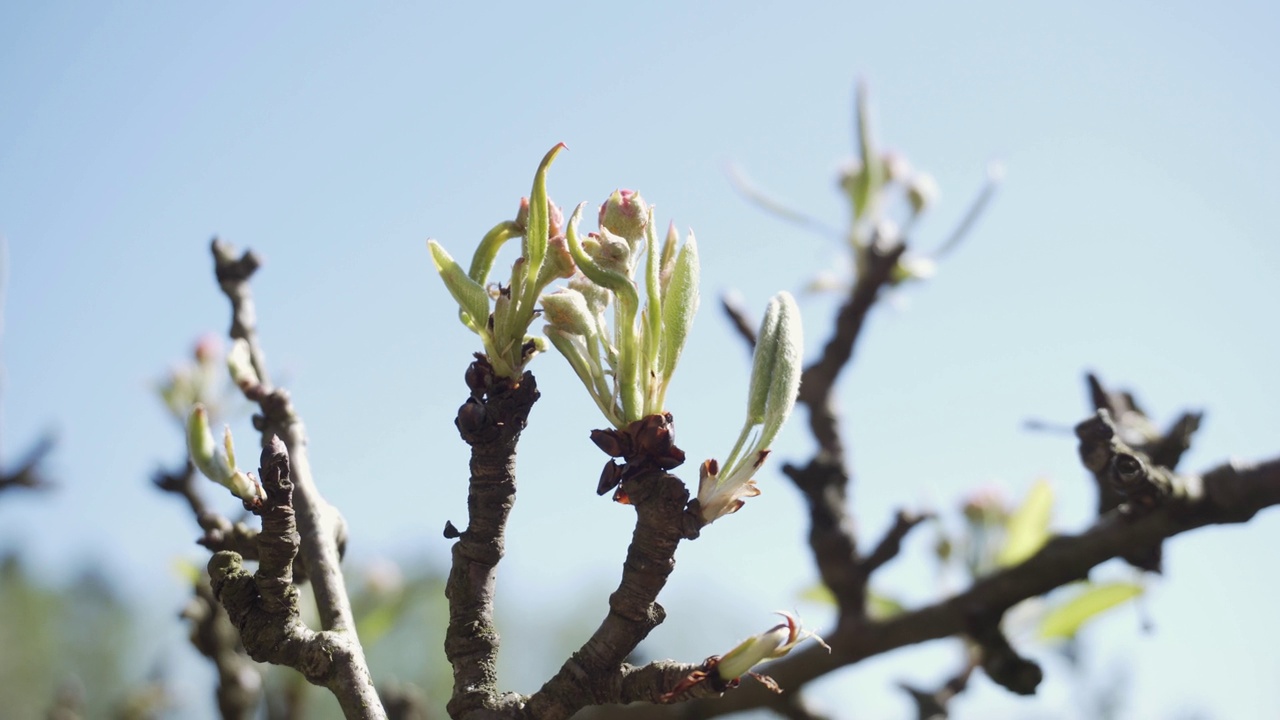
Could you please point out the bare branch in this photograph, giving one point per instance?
(490, 421)
(320, 527)
(738, 318)
(662, 521)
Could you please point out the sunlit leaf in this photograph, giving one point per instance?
(1028, 527)
(1065, 620)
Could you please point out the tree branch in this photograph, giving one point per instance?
(264, 606)
(490, 421)
(1227, 494)
(592, 674)
(321, 528)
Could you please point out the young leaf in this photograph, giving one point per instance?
(1028, 527)
(472, 299)
(679, 305)
(1066, 620)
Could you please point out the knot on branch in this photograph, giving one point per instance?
(1000, 661)
(278, 543)
(498, 408)
(645, 446)
(1129, 473)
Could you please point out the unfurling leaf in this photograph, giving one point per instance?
(472, 299)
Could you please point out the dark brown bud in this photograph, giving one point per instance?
(471, 417)
(612, 442)
(479, 375)
(610, 476)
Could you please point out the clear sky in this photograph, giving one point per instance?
(1136, 234)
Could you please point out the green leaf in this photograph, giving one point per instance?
(1027, 529)
(538, 231)
(1065, 620)
(472, 298)
(679, 305)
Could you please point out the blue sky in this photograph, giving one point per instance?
(1135, 235)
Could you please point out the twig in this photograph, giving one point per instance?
(320, 526)
(738, 318)
(762, 200)
(29, 474)
(824, 480)
(891, 544)
(264, 606)
(662, 521)
(933, 705)
(979, 204)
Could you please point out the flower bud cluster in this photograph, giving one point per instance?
(625, 353)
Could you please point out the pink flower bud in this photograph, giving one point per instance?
(626, 214)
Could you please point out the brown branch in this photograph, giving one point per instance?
(738, 318)
(490, 421)
(1227, 494)
(320, 527)
(824, 483)
(264, 606)
(818, 382)
(595, 673)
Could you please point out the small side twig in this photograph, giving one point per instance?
(891, 544)
(29, 473)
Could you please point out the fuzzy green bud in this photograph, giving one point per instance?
(218, 463)
(775, 368)
(567, 310)
(612, 252)
(240, 364)
(625, 214)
